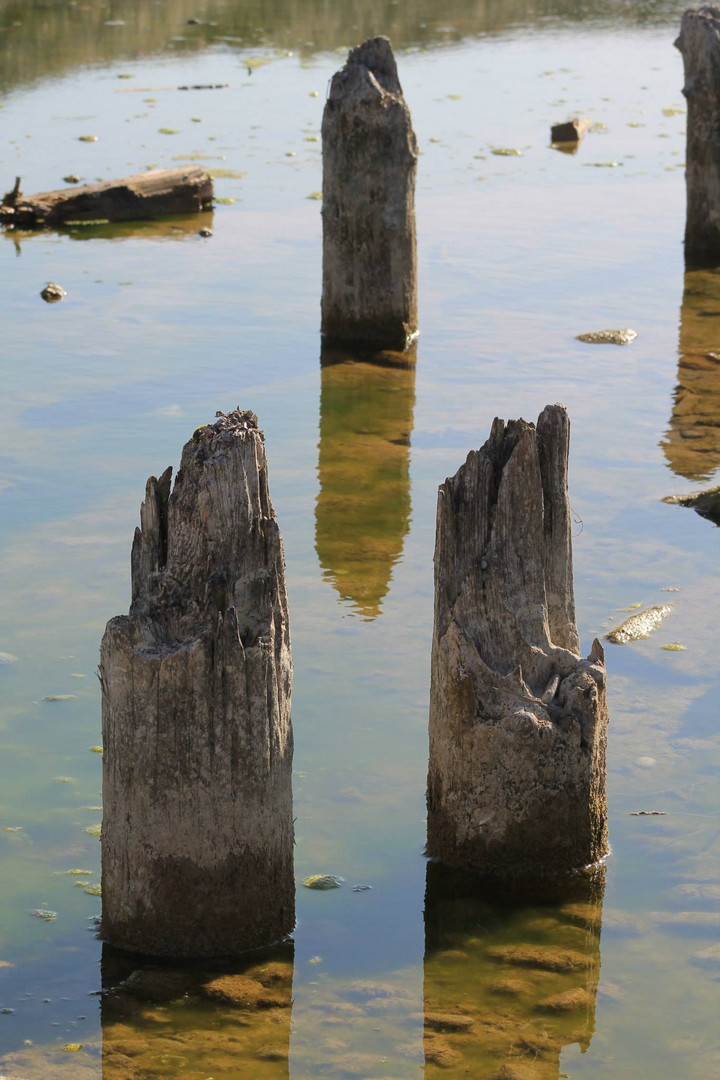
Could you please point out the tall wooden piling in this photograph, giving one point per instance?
(197, 841)
(369, 162)
(699, 43)
(518, 721)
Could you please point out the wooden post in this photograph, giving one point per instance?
(369, 163)
(197, 842)
(699, 43)
(136, 198)
(518, 720)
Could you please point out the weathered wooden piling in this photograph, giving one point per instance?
(369, 162)
(699, 43)
(518, 721)
(197, 840)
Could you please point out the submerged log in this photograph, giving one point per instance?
(197, 839)
(369, 163)
(518, 721)
(136, 198)
(699, 43)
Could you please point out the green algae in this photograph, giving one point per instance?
(323, 881)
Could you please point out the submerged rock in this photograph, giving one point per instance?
(246, 993)
(609, 337)
(638, 626)
(323, 881)
(448, 1021)
(156, 984)
(705, 503)
(52, 293)
(539, 956)
(577, 998)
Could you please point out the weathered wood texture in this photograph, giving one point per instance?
(197, 842)
(518, 721)
(136, 198)
(369, 164)
(699, 43)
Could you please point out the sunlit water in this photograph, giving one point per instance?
(161, 327)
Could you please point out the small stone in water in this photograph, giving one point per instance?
(71, 178)
(43, 913)
(51, 294)
(608, 337)
(501, 151)
(639, 626)
(323, 881)
(87, 138)
(205, 232)
(673, 646)
(72, 1048)
(362, 888)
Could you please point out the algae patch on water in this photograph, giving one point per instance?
(639, 626)
(323, 881)
(608, 337)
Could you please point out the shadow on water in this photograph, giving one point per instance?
(214, 1019)
(692, 442)
(509, 984)
(363, 508)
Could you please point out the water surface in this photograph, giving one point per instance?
(160, 328)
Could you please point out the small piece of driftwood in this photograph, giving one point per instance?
(570, 132)
(136, 198)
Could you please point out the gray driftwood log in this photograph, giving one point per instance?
(699, 43)
(197, 839)
(518, 721)
(136, 198)
(369, 162)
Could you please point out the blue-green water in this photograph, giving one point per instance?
(161, 327)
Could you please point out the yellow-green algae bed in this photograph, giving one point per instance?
(403, 970)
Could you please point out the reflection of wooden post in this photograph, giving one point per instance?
(517, 720)
(197, 830)
(213, 1015)
(363, 508)
(369, 163)
(699, 43)
(508, 984)
(692, 441)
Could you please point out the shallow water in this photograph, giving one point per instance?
(161, 327)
